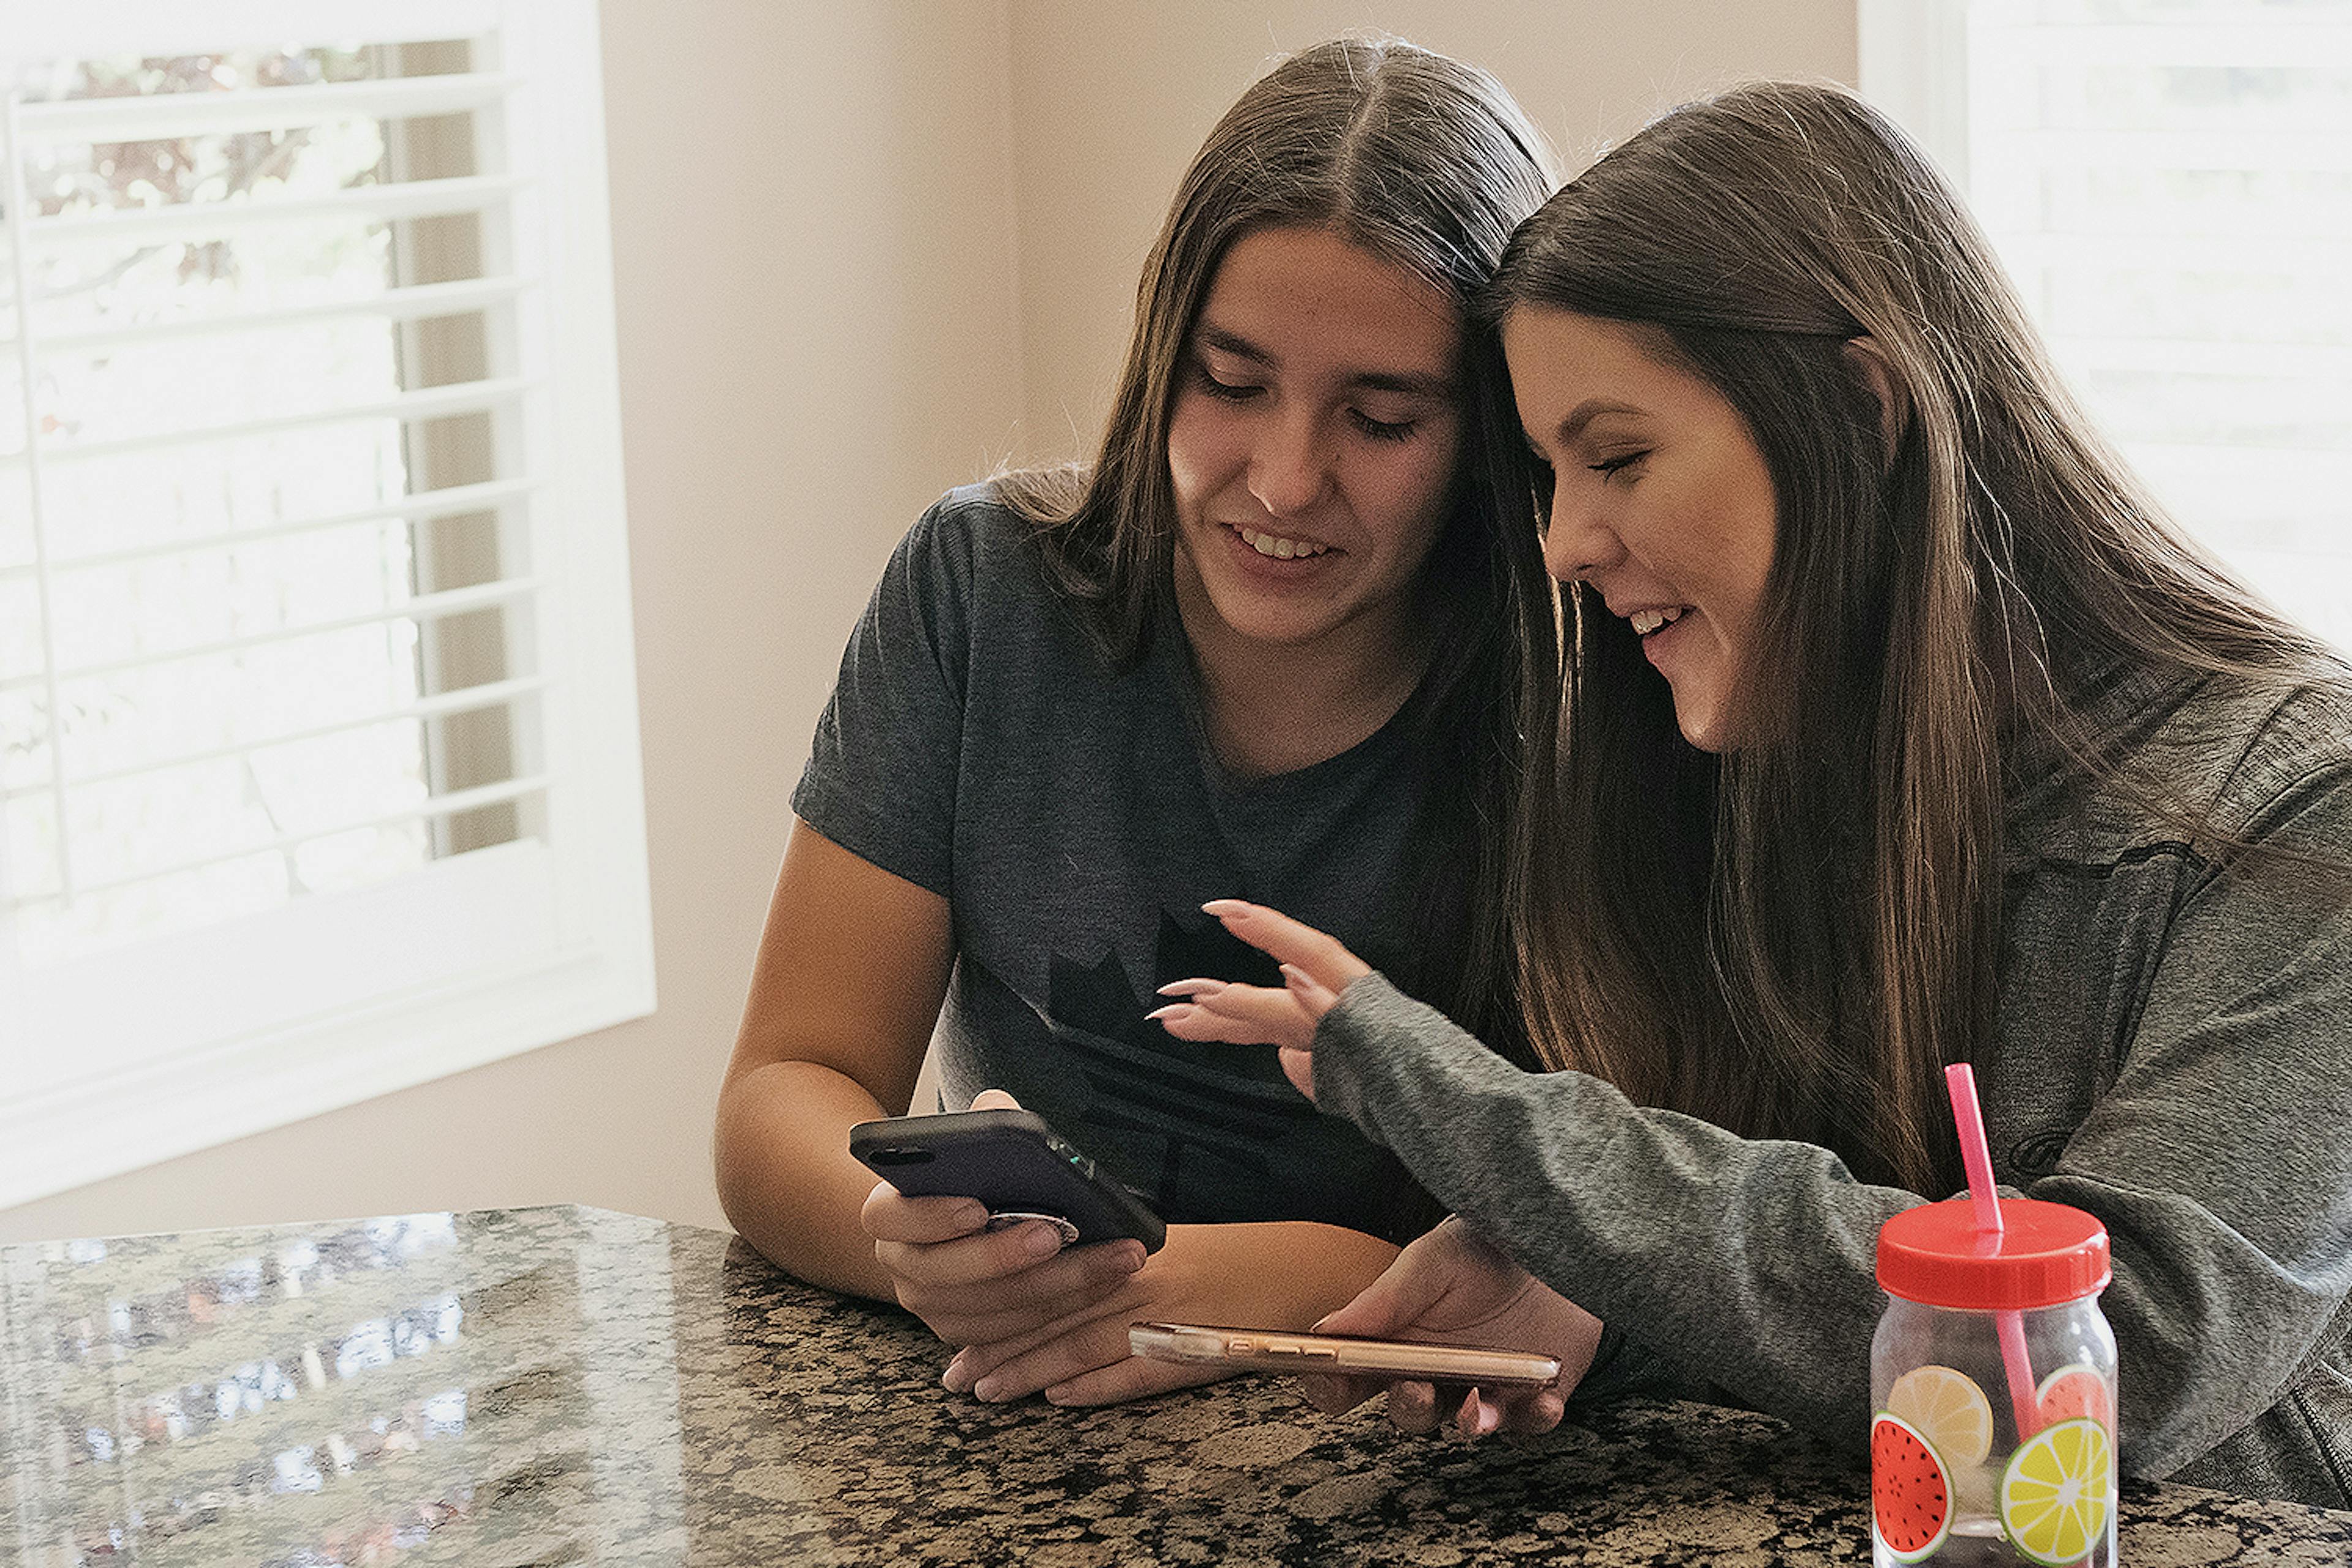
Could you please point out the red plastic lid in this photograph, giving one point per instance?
(2046, 1254)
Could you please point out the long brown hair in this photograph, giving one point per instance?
(1793, 939)
(1427, 163)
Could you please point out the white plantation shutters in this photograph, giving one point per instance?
(318, 756)
(2170, 183)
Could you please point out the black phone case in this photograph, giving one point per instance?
(1009, 1159)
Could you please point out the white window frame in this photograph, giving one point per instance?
(1914, 59)
(126, 1057)
(1911, 59)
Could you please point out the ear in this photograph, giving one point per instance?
(1867, 361)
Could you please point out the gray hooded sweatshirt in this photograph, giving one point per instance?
(2173, 1053)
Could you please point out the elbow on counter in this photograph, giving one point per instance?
(2242, 1391)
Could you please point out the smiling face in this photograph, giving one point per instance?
(1312, 443)
(1660, 500)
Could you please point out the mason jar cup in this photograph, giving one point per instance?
(1993, 1387)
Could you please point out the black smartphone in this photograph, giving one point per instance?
(1012, 1161)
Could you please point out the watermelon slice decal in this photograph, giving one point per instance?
(1910, 1494)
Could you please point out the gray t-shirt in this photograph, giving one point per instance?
(2173, 1053)
(1074, 817)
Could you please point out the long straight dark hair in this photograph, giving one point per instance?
(1427, 163)
(1793, 939)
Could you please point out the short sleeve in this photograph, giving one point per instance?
(882, 765)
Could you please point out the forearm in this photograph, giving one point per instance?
(1751, 1260)
(1750, 1263)
(785, 1176)
(1285, 1274)
(1288, 1274)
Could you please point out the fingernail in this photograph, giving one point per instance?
(987, 1390)
(1133, 1256)
(1173, 1010)
(1227, 909)
(1489, 1417)
(956, 1379)
(1040, 1240)
(1191, 988)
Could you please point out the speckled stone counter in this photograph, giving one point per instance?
(564, 1385)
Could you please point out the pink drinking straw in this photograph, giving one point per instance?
(1976, 1157)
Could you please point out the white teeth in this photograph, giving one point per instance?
(1280, 549)
(1645, 622)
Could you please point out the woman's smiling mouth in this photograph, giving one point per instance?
(1279, 546)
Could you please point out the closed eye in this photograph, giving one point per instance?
(1229, 391)
(1611, 464)
(1383, 429)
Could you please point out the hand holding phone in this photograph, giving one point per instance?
(1342, 1355)
(1453, 1285)
(1011, 1162)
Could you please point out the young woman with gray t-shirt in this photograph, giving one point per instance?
(1269, 638)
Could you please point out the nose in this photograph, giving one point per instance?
(1576, 545)
(1290, 465)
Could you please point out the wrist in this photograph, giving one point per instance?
(1274, 1274)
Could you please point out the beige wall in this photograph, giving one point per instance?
(885, 246)
(1109, 103)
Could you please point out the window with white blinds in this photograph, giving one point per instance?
(2170, 183)
(319, 767)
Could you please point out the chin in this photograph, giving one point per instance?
(1275, 631)
(1703, 731)
(1261, 617)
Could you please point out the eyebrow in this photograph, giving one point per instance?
(1410, 383)
(1582, 415)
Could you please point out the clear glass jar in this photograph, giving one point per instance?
(1993, 1387)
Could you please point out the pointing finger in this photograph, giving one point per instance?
(1323, 958)
(1240, 1015)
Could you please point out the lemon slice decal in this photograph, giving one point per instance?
(1948, 1409)
(2058, 1494)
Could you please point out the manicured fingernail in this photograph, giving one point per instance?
(1173, 1010)
(1191, 988)
(1489, 1417)
(1227, 909)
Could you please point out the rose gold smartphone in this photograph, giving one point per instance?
(1392, 1361)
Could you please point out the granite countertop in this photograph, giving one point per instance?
(567, 1385)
